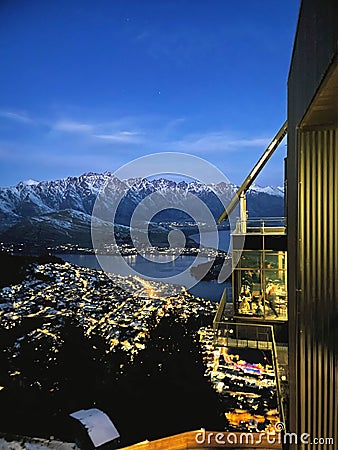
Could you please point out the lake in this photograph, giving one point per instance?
(161, 267)
(209, 237)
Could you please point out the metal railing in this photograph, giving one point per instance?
(220, 310)
(261, 225)
(245, 335)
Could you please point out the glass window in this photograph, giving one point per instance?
(275, 295)
(274, 260)
(248, 291)
(260, 285)
(250, 259)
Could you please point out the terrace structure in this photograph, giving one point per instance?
(259, 281)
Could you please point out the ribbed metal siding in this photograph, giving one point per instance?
(317, 284)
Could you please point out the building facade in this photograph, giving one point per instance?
(312, 224)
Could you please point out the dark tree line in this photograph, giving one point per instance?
(15, 268)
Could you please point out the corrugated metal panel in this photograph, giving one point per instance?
(312, 222)
(317, 283)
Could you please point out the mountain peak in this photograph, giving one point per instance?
(30, 182)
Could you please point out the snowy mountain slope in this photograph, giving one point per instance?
(270, 190)
(32, 205)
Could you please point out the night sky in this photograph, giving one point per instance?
(91, 85)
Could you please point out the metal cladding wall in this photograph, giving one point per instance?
(317, 283)
(312, 224)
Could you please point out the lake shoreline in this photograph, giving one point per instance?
(161, 271)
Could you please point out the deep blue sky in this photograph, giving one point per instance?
(91, 85)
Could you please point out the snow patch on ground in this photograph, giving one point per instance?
(36, 444)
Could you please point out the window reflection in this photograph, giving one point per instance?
(260, 284)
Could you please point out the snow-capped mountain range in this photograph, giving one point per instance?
(68, 202)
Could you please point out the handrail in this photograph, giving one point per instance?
(261, 225)
(275, 365)
(220, 310)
